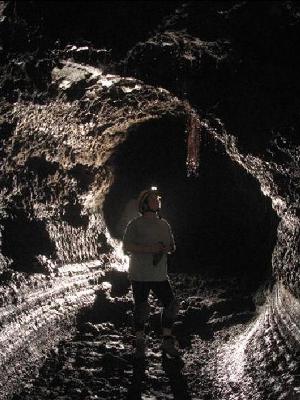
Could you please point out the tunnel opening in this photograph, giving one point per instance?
(224, 227)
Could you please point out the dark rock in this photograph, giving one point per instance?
(227, 320)
(105, 327)
(106, 308)
(119, 281)
(71, 80)
(231, 305)
(111, 362)
(88, 327)
(195, 316)
(155, 321)
(6, 129)
(30, 238)
(235, 64)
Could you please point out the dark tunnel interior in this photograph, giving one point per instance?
(222, 223)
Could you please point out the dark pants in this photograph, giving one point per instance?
(163, 292)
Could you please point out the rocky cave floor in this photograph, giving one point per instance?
(98, 362)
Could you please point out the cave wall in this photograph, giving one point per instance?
(55, 246)
(66, 109)
(230, 70)
(54, 168)
(223, 224)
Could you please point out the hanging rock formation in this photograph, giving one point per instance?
(66, 112)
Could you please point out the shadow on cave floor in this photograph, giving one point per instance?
(98, 363)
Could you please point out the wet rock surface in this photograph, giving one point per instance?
(226, 73)
(98, 363)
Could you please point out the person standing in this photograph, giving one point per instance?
(148, 239)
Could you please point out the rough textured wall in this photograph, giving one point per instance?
(54, 162)
(64, 111)
(230, 69)
(54, 180)
(223, 224)
(237, 67)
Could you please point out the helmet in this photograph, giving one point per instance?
(143, 196)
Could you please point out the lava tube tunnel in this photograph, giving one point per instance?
(223, 224)
(200, 100)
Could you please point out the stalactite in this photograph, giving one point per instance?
(193, 130)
